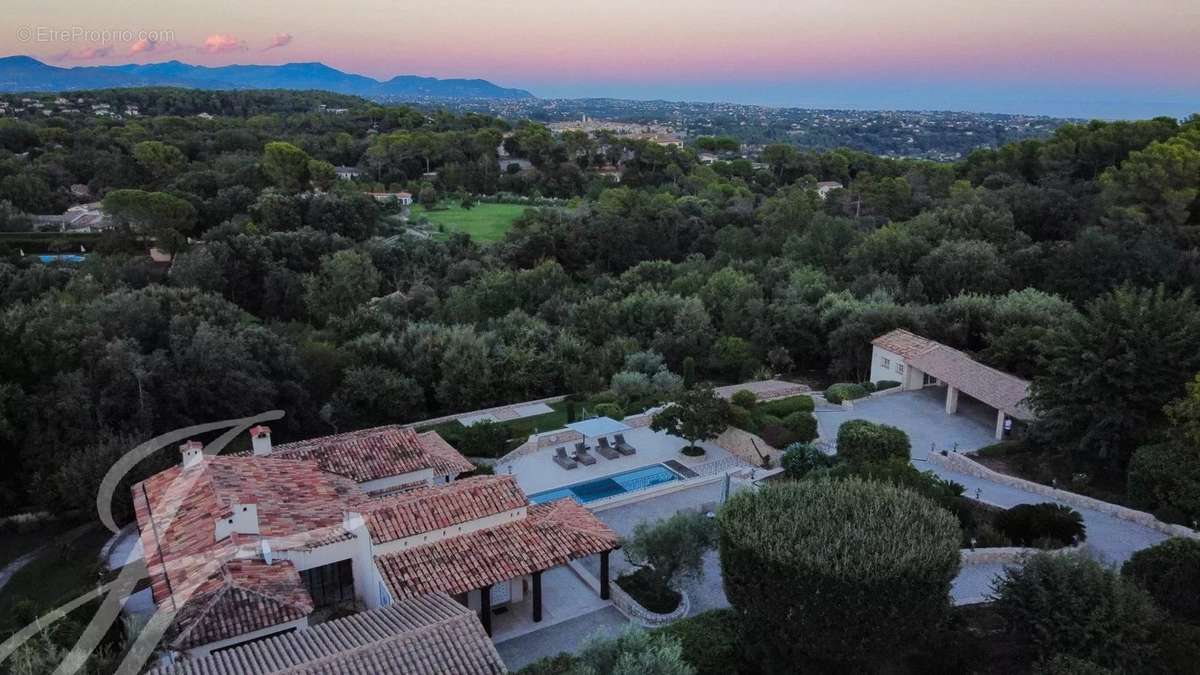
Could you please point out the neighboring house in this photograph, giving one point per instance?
(254, 545)
(826, 186)
(79, 218)
(611, 173)
(405, 198)
(429, 634)
(917, 362)
(347, 172)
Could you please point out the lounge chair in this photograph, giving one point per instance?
(582, 456)
(560, 458)
(623, 447)
(607, 451)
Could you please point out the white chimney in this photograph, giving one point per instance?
(260, 438)
(193, 453)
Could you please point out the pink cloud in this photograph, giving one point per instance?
(280, 40)
(141, 46)
(218, 43)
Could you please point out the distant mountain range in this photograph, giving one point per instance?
(24, 73)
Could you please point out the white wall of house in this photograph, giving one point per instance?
(515, 594)
(887, 365)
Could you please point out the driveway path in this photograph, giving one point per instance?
(10, 570)
(922, 415)
(567, 636)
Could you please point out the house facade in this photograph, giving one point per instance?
(267, 543)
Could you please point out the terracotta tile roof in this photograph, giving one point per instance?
(995, 388)
(434, 508)
(550, 535)
(904, 343)
(430, 634)
(382, 452)
(243, 596)
(297, 506)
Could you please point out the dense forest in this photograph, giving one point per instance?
(1071, 260)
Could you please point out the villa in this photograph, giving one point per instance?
(264, 544)
(917, 362)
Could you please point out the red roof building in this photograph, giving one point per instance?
(244, 547)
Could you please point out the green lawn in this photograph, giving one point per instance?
(517, 430)
(486, 223)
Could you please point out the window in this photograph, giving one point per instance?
(900, 368)
(330, 584)
(885, 362)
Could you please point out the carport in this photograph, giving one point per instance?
(963, 375)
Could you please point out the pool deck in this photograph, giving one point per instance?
(537, 472)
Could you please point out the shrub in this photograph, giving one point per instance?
(1070, 604)
(803, 426)
(483, 439)
(987, 536)
(1166, 475)
(884, 385)
(782, 407)
(606, 396)
(863, 441)
(709, 641)
(666, 551)
(806, 586)
(560, 664)
(867, 386)
(844, 391)
(642, 585)
(739, 417)
(799, 459)
(1026, 524)
(1170, 573)
(609, 410)
(744, 398)
(633, 651)
(777, 435)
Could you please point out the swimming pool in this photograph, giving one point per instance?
(609, 486)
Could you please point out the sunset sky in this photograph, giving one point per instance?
(1103, 58)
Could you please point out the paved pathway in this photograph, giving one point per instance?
(567, 636)
(10, 570)
(922, 416)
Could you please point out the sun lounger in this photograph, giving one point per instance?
(623, 447)
(607, 451)
(582, 456)
(560, 458)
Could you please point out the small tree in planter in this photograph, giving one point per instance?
(696, 415)
(665, 552)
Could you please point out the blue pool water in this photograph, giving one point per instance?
(609, 486)
(70, 258)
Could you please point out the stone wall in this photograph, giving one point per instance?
(1009, 554)
(961, 463)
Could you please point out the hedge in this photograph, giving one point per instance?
(1030, 524)
(884, 385)
(782, 407)
(1070, 604)
(709, 641)
(1165, 479)
(1170, 573)
(806, 586)
(864, 441)
(844, 391)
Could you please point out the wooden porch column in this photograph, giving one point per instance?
(485, 608)
(537, 596)
(604, 592)
(999, 425)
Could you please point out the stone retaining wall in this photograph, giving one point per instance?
(1009, 554)
(961, 463)
(644, 617)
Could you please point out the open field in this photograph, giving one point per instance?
(486, 223)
